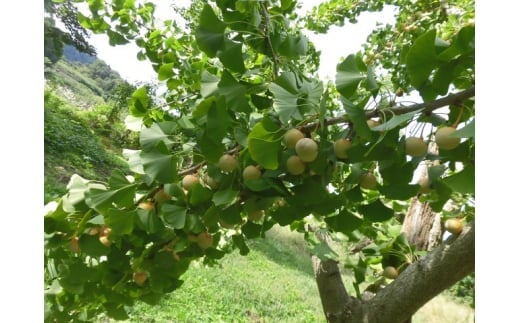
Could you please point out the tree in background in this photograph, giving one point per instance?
(55, 38)
(249, 137)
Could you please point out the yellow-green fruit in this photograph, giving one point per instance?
(226, 225)
(140, 277)
(295, 165)
(390, 272)
(444, 140)
(425, 185)
(227, 163)
(341, 146)
(453, 226)
(146, 205)
(204, 240)
(74, 245)
(105, 231)
(251, 172)
(95, 230)
(415, 147)
(368, 181)
(281, 202)
(210, 181)
(105, 240)
(255, 215)
(291, 137)
(306, 149)
(372, 123)
(189, 181)
(162, 196)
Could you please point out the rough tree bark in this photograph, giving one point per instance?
(446, 264)
(334, 297)
(422, 225)
(442, 267)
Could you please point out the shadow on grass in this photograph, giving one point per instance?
(285, 249)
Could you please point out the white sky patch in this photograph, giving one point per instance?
(123, 58)
(337, 43)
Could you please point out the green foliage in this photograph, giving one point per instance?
(217, 293)
(237, 80)
(89, 83)
(55, 38)
(71, 146)
(464, 290)
(387, 46)
(64, 132)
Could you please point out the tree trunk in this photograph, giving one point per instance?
(448, 263)
(422, 226)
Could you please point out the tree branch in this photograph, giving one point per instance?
(268, 38)
(194, 168)
(455, 98)
(334, 298)
(191, 169)
(442, 267)
(426, 106)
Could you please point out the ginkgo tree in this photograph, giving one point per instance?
(249, 137)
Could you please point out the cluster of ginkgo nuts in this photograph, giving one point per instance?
(417, 147)
(307, 150)
(104, 234)
(104, 237)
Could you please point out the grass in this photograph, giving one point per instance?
(71, 146)
(274, 283)
(443, 309)
(79, 89)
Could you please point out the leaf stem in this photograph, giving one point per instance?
(83, 222)
(458, 117)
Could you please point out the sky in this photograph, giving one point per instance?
(338, 42)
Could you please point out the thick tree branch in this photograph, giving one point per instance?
(426, 107)
(335, 301)
(334, 298)
(421, 281)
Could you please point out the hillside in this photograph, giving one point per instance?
(84, 104)
(83, 80)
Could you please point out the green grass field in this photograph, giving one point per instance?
(274, 283)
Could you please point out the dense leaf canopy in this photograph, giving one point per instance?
(239, 74)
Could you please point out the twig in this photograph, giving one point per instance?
(194, 168)
(451, 99)
(268, 38)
